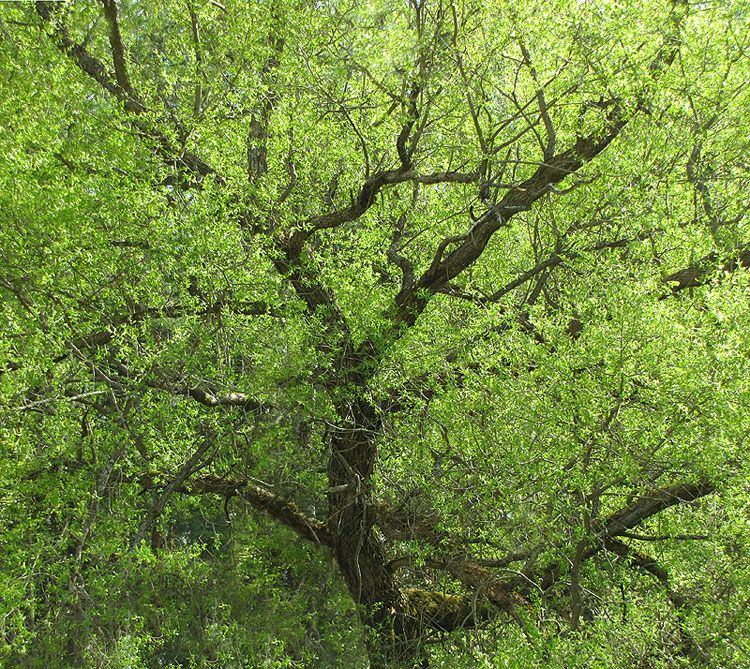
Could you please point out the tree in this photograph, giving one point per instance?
(434, 311)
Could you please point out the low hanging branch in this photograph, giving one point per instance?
(282, 510)
(630, 517)
(192, 464)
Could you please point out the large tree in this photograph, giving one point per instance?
(436, 311)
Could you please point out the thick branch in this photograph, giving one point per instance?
(118, 56)
(393, 255)
(366, 198)
(671, 537)
(474, 576)
(96, 70)
(652, 503)
(639, 560)
(633, 515)
(412, 301)
(445, 612)
(209, 399)
(280, 509)
(87, 63)
(204, 396)
(697, 274)
(104, 337)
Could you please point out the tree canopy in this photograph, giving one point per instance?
(388, 334)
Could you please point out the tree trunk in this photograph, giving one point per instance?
(392, 638)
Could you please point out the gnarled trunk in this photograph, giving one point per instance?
(392, 637)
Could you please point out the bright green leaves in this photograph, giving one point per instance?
(147, 308)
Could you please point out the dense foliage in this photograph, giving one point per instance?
(352, 334)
